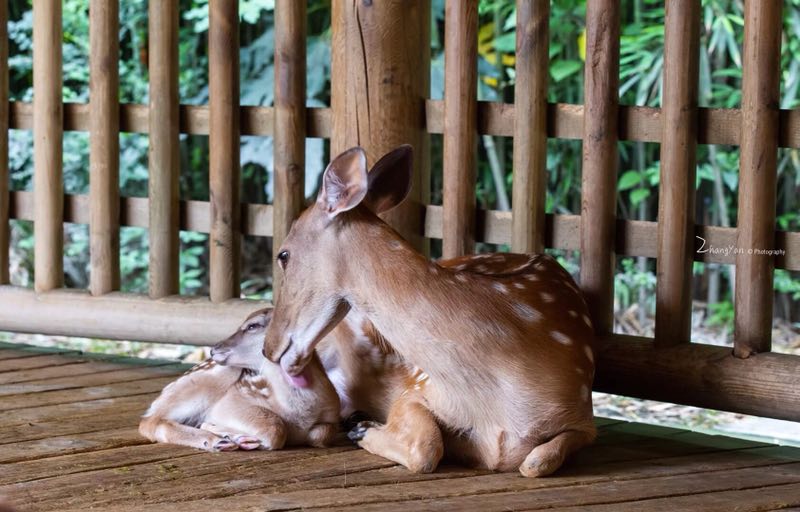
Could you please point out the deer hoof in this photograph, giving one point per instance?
(360, 430)
(225, 445)
(247, 442)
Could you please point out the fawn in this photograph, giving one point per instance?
(505, 361)
(237, 400)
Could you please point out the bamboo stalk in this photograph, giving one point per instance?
(223, 63)
(4, 125)
(757, 178)
(47, 146)
(104, 146)
(678, 160)
(460, 127)
(164, 163)
(530, 127)
(290, 122)
(598, 188)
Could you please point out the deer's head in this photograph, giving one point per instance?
(317, 256)
(242, 349)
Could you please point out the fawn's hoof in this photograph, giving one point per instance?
(247, 442)
(358, 432)
(225, 444)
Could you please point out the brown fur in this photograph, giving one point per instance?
(509, 356)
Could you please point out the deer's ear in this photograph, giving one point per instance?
(390, 179)
(344, 183)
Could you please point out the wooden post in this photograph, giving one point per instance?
(380, 79)
(757, 178)
(223, 63)
(289, 141)
(48, 185)
(164, 164)
(598, 187)
(530, 127)
(104, 146)
(4, 176)
(678, 157)
(460, 127)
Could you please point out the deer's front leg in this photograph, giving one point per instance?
(410, 437)
(234, 413)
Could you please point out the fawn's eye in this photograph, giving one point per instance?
(252, 327)
(283, 258)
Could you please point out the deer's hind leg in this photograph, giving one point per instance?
(236, 415)
(547, 457)
(410, 437)
(162, 430)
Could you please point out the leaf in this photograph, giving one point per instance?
(506, 43)
(582, 45)
(561, 69)
(629, 180)
(639, 195)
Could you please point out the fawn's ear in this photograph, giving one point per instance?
(390, 179)
(344, 183)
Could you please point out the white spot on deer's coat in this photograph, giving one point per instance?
(573, 313)
(460, 267)
(395, 245)
(500, 287)
(587, 320)
(532, 277)
(462, 278)
(519, 286)
(548, 297)
(561, 338)
(589, 353)
(579, 370)
(526, 312)
(481, 268)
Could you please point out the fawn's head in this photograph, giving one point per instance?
(242, 349)
(317, 254)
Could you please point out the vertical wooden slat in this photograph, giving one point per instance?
(48, 185)
(380, 78)
(598, 187)
(530, 127)
(223, 63)
(164, 165)
(290, 121)
(104, 146)
(460, 127)
(4, 176)
(677, 189)
(757, 177)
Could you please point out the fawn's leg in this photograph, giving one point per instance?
(410, 437)
(548, 457)
(163, 430)
(243, 440)
(235, 413)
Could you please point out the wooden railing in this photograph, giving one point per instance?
(380, 60)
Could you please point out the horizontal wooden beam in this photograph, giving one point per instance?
(564, 121)
(122, 316)
(634, 237)
(708, 376)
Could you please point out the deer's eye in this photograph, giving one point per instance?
(252, 327)
(283, 258)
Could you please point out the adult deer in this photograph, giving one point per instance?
(506, 362)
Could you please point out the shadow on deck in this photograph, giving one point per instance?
(69, 441)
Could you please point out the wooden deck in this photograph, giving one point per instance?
(69, 442)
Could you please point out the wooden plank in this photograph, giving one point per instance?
(136, 387)
(223, 71)
(32, 362)
(380, 78)
(700, 375)
(677, 174)
(106, 374)
(118, 316)
(529, 190)
(59, 369)
(73, 414)
(48, 184)
(117, 458)
(599, 168)
(460, 130)
(4, 125)
(757, 178)
(289, 144)
(104, 146)
(63, 445)
(163, 186)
